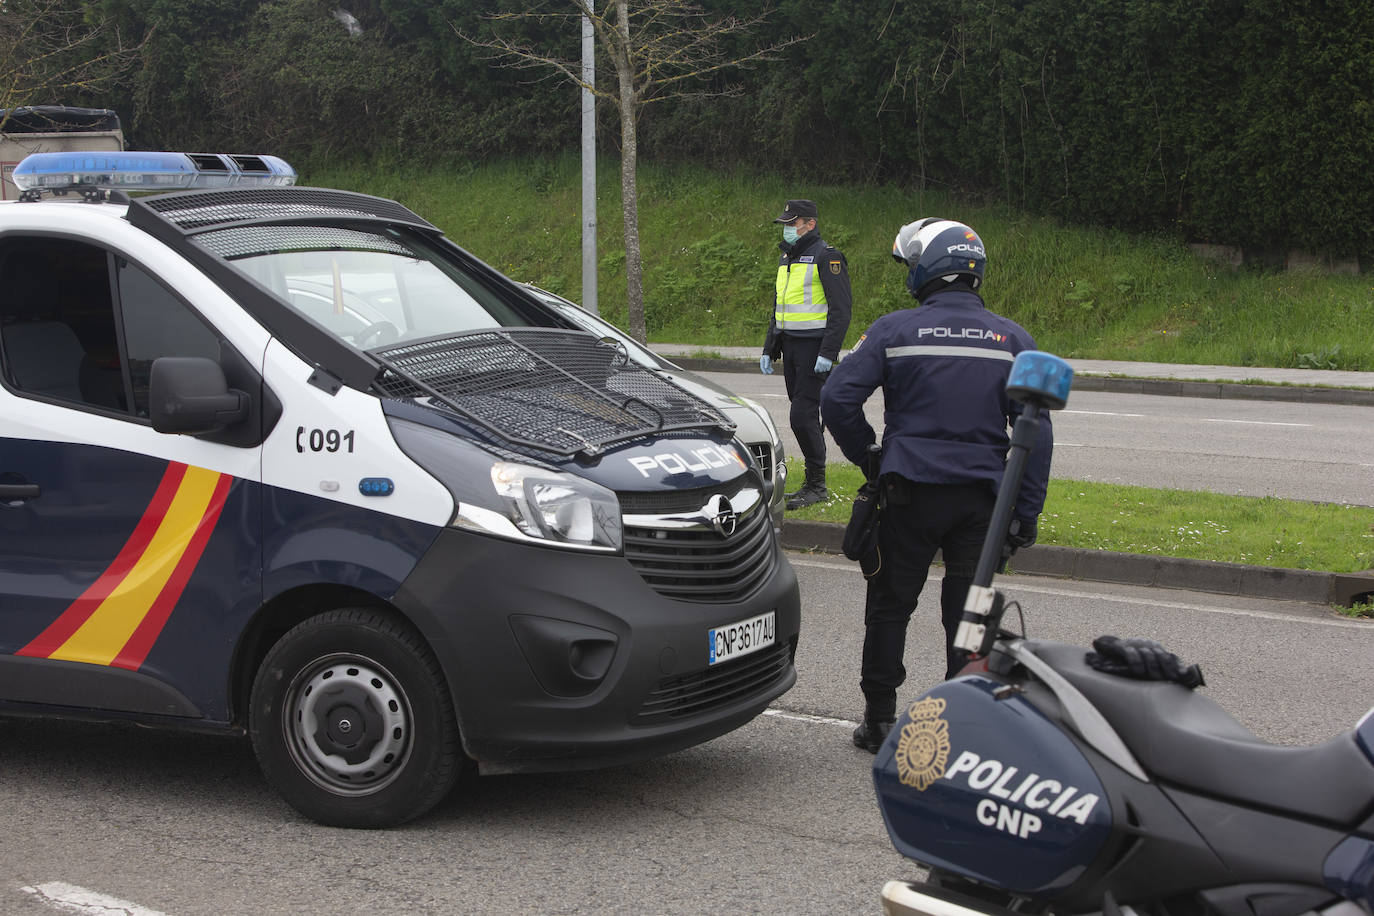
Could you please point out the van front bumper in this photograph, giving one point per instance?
(560, 659)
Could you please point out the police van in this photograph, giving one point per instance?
(288, 462)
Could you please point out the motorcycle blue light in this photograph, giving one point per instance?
(149, 171)
(1040, 377)
(376, 486)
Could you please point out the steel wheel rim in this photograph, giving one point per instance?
(340, 698)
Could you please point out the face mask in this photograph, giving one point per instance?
(789, 234)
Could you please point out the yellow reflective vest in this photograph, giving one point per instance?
(801, 303)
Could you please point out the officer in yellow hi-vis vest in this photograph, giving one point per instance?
(810, 317)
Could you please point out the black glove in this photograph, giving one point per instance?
(1021, 533)
(873, 462)
(1143, 659)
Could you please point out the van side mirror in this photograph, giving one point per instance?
(189, 394)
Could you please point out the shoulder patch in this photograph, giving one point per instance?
(835, 266)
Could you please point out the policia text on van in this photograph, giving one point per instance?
(286, 460)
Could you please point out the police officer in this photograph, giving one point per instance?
(810, 317)
(943, 368)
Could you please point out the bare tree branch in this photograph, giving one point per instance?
(657, 48)
(47, 49)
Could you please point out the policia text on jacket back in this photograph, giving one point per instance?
(287, 462)
(811, 309)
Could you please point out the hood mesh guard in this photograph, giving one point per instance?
(555, 391)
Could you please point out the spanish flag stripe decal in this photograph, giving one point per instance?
(104, 634)
(104, 621)
(148, 630)
(61, 629)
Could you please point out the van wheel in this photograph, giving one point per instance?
(352, 721)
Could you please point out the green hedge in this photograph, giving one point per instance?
(1239, 123)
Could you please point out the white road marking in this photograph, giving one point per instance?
(1349, 624)
(1104, 413)
(1109, 413)
(1343, 623)
(72, 899)
(807, 717)
(1255, 422)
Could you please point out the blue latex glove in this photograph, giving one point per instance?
(823, 365)
(766, 364)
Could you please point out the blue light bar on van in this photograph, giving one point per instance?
(135, 171)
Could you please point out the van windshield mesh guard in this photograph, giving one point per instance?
(555, 391)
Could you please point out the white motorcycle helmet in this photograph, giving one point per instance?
(938, 251)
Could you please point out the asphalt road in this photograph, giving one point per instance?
(1316, 452)
(777, 817)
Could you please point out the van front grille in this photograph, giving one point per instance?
(698, 564)
(763, 455)
(692, 694)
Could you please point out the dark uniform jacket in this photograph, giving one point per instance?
(811, 248)
(943, 369)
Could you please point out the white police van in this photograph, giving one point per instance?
(287, 461)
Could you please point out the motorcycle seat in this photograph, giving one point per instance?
(1184, 738)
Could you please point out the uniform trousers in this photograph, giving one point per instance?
(917, 520)
(804, 391)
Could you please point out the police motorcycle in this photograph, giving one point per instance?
(1047, 779)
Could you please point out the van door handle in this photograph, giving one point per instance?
(17, 491)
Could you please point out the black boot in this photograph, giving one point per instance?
(871, 733)
(812, 489)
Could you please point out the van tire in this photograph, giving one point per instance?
(352, 721)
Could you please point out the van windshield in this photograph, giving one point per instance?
(368, 287)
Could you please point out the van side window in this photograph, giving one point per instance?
(156, 323)
(57, 321)
(61, 322)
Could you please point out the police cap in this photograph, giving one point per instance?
(796, 208)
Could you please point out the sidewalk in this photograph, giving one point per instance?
(1310, 385)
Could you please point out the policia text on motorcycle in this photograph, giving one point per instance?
(810, 317)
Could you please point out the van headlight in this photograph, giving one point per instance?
(762, 413)
(555, 506)
(510, 499)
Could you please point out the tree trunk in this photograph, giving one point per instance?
(629, 151)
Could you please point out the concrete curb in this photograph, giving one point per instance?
(1142, 569)
(1358, 397)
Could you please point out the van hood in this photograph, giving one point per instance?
(670, 463)
(567, 400)
(552, 394)
(679, 463)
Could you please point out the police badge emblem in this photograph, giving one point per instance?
(923, 749)
(834, 267)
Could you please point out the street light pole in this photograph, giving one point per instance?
(588, 170)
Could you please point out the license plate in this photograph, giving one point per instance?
(741, 638)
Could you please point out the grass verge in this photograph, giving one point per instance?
(709, 250)
(1176, 523)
